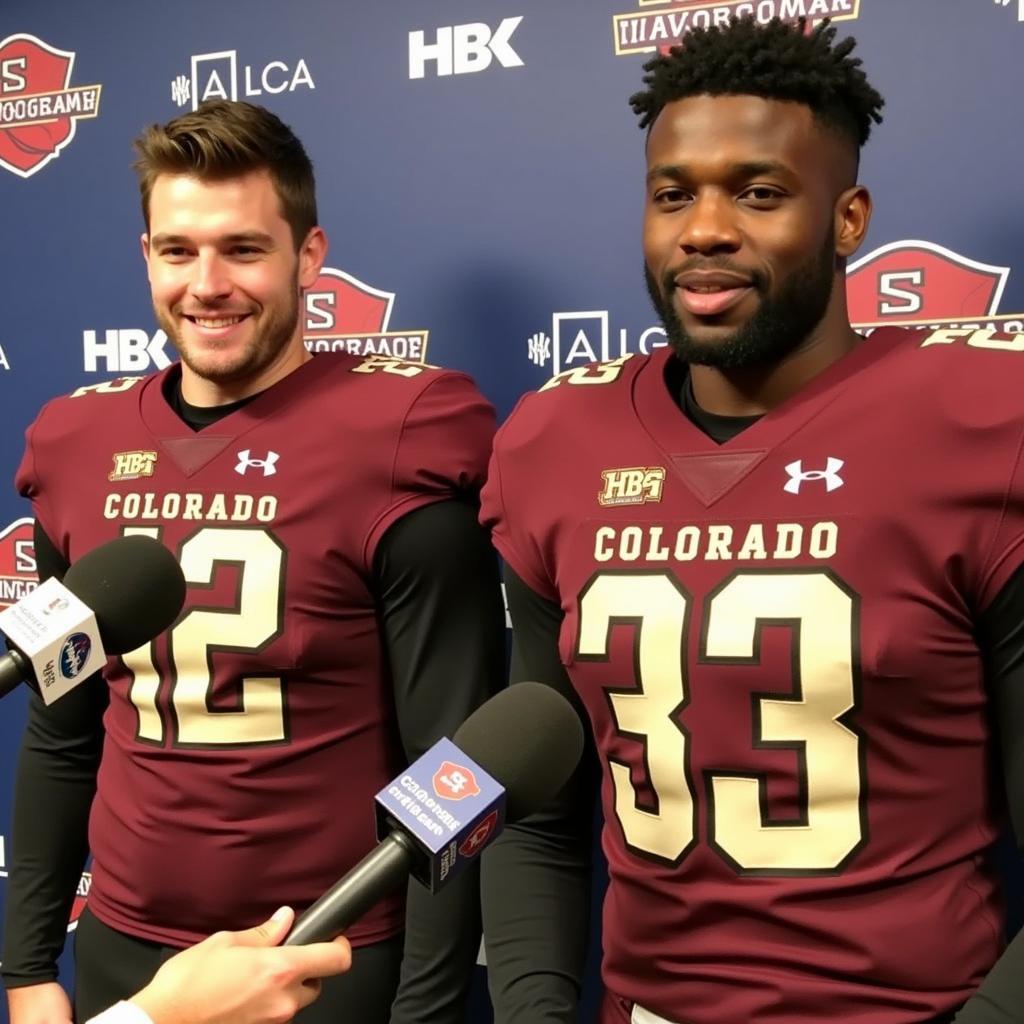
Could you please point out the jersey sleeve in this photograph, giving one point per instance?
(1006, 551)
(505, 505)
(442, 451)
(28, 479)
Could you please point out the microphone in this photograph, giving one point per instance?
(115, 598)
(508, 758)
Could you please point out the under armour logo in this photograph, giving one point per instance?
(267, 464)
(830, 474)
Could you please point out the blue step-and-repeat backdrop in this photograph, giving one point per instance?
(480, 180)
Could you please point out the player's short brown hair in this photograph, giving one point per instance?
(226, 139)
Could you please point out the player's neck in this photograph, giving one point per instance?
(757, 391)
(203, 392)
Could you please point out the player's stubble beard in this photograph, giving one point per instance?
(780, 325)
(274, 336)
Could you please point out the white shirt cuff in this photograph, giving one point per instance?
(121, 1013)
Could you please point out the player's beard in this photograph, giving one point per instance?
(266, 345)
(780, 325)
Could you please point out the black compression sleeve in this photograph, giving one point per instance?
(440, 608)
(536, 876)
(53, 792)
(1000, 1000)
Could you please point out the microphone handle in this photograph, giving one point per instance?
(14, 669)
(380, 871)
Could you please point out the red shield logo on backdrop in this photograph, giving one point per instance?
(38, 108)
(17, 562)
(80, 900)
(479, 837)
(454, 782)
(340, 304)
(920, 282)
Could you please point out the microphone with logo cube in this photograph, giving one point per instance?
(512, 755)
(449, 805)
(116, 597)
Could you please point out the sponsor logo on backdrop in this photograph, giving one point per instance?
(4, 364)
(344, 314)
(17, 562)
(124, 350)
(660, 24)
(221, 76)
(913, 283)
(39, 108)
(582, 337)
(1019, 4)
(463, 49)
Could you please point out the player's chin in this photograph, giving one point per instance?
(713, 331)
(219, 367)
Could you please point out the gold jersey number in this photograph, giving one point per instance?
(809, 720)
(256, 619)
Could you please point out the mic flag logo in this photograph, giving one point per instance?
(39, 109)
(478, 838)
(453, 782)
(344, 314)
(74, 655)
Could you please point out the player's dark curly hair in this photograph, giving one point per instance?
(777, 60)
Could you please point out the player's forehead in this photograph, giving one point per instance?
(186, 204)
(709, 134)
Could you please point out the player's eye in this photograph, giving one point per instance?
(174, 252)
(762, 195)
(248, 251)
(671, 197)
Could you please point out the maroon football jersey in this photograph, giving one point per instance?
(244, 746)
(773, 639)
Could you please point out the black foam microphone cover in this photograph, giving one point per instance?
(529, 738)
(133, 585)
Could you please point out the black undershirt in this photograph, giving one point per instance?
(536, 876)
(436, 583)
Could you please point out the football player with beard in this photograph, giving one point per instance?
(343, 610)
(778, 566)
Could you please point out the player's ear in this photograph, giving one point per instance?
(852, 217)
(312, 254)
(144, 239)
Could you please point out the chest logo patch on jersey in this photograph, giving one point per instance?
(132, 465)
(829, 476)
(636, 485)
(245, 462)
(454, 782)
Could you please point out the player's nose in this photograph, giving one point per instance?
(709, 225)
(210, 279)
